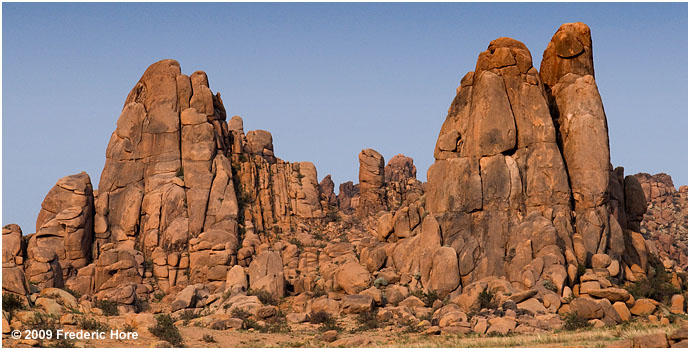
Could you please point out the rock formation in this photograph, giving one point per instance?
(521, 202)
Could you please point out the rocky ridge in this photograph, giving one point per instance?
(521, 204)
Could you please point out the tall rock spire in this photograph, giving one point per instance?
(567, 70)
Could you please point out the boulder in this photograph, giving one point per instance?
(622, 311)
(587, 308)
(185, 299)
(643, 307)
(352, 277)
(656, 340)
(357, 303)
(266, 273)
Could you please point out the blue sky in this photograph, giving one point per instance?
(326, 79)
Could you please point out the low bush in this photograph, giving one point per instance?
(208, 338)
(91, 324)
(367, 321)
(327, 321)
(265, 297)
(573, 321)
(108, 307)
(11, 303)
(487, 299)
(656, 286)
(189, 315)
(165, 329)
(41, 321)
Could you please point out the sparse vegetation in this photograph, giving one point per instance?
(165, 329)
(657, 286)
(108, 307)
(208, 338)
(91, 324)
(409, 326)
(573, 321)
(379, 282)
(332, 216)
(11, 303)
(189, 315)
(326, 320)
(159, 296)
(318, 292)
(180, 173)
(550, 286)
(129, 328)
(275, 324)
(41, 321)
(265, 297)
(487, 299)
(367, 321)
(74, 293)
(245, 316)
(296, 242)
(427, 298)
(318, 236)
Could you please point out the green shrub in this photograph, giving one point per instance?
(11, 303)
(41, 321)
(327, 321)
(487, 299)
(409, 326)
(239, 313)
(367, 320)
(188, 315)
(265, 297)
(129, 328)
(276, 324)
(165, 329)
(318, 292)
(550, 286)
(91, 324)
(108, 307)
(380, 282)
(208, 338)
(159, 296)
(296, 242)
(73, 292)
(657, 286)
(573, 321)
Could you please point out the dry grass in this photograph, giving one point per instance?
(583, 338)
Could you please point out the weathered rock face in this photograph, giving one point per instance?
(346, 192)
(65, 224)
(13, 252)
(402, 186)
(568, 74)
(522, 185)
(167, 178)
(496, 161)
(266, 273)
(372, 194)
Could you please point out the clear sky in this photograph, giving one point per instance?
(326, 79)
